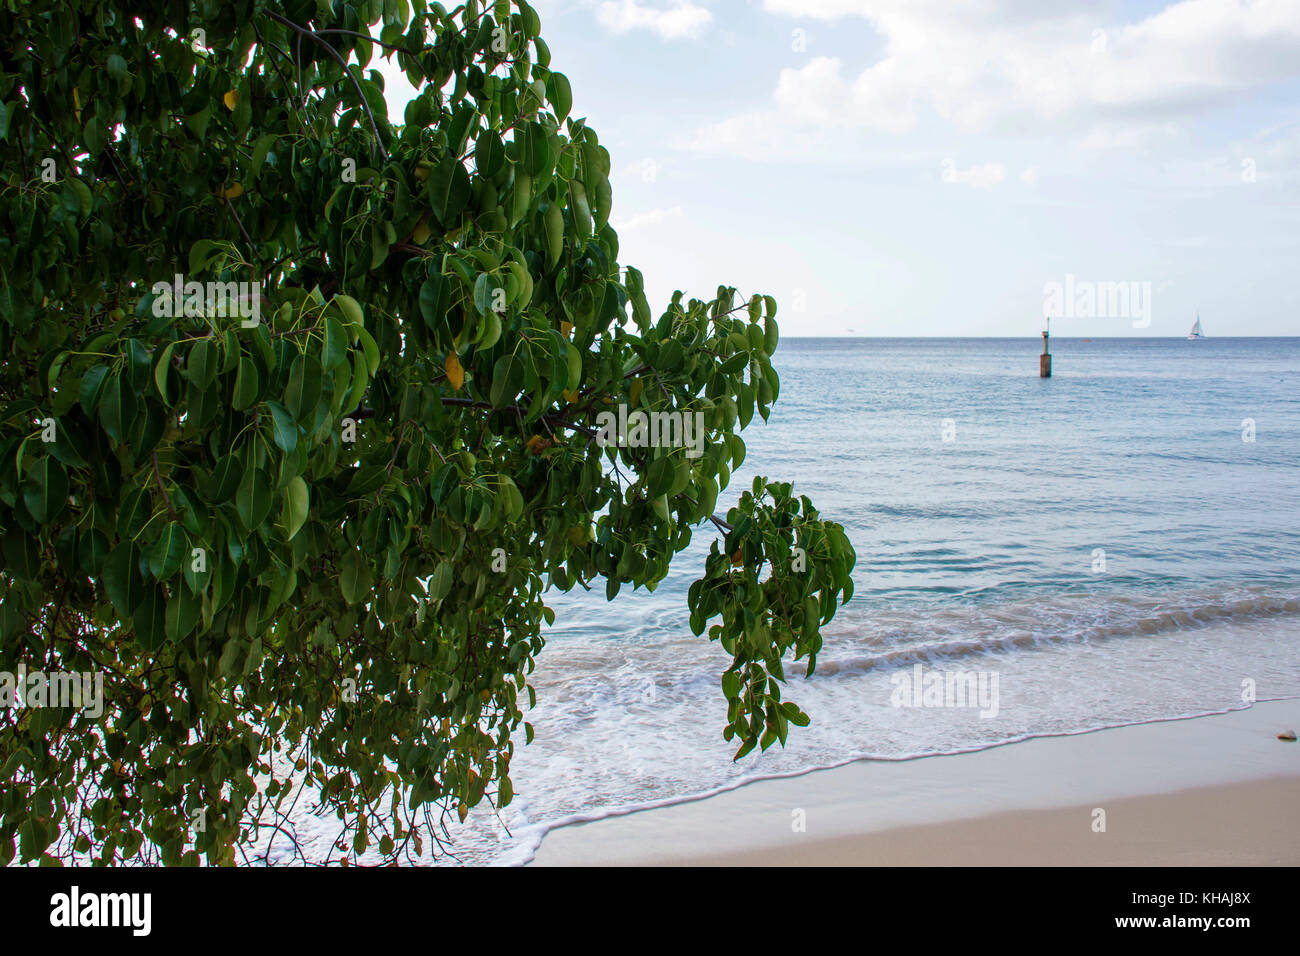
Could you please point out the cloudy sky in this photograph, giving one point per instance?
(928, 167)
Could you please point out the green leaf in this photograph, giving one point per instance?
(433, 304)
(560, 94)
(150, 619)
(224, 479)
(448, 189)
(580, 209)
(92, 389)
(360, 380)
(183, 613)
(370, 350)
(334, 352)
(483, 289)
(117, 407)
(85, 201)
(262, 147)
(230, 655)
(771, 335)
(284, 428)
(811, 615)
(165, 557)
(553, 222)
(202, 253)
(134, 512)
(121, 578)
(45, 491)
(795, 715)
(536, 149)
(297, 502)
(92, 549)
(304, 389)
(253, 499)
(161, 370)
(351, 309)
(440, 581)
(602, 202)
(202, 365)
(246, 383)
(355, 578)
(94, 135)
(506, 379)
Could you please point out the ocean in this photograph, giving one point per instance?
(1117, 544)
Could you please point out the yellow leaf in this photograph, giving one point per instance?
(231, 99)
(570, 395)
(455, 374)
(566, 328)
(462, 811)
(637, 385)
(234, 191)
(421, 232)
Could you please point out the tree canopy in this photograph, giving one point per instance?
(303, 411)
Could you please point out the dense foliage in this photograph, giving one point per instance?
(305, 531)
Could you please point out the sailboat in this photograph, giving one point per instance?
(1196, 332)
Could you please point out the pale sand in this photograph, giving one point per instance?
(1215, 790)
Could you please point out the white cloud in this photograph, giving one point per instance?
(681, 19)
(646, 170)
(819, 93)
(980, 177)
(1020, 65)
(654, 217)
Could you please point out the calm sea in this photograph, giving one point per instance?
(1119, 543)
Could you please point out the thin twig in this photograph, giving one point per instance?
(365, 105)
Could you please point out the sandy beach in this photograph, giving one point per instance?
(1212, 790)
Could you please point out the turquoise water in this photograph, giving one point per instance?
(981, 554)
(1133, 446)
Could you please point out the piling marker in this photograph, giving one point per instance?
(1045, 360)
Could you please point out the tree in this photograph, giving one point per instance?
(303, 412)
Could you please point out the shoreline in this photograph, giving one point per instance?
(1207, 790)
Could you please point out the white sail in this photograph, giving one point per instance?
(1196, 332)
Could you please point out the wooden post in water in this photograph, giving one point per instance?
(1045, 360)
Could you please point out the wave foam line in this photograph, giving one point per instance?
(530, 836)
(1175, 619)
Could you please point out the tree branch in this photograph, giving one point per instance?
(365, 105)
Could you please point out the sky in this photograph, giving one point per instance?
(952, 167)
